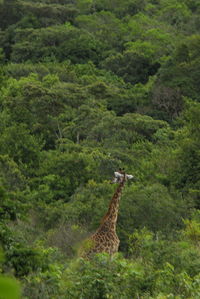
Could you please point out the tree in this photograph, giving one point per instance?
(21, 146)
(185, 60)
(106, 27)
(131, 66)
(167, 102)
(10, 12)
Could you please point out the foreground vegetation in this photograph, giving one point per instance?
(86, 87)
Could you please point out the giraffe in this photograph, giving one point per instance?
(105, 238)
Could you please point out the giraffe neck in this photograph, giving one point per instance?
(110, 219)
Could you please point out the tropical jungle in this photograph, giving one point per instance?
(88, 87)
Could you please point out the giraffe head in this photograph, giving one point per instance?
(120, 176)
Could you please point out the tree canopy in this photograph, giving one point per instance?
(87, 87)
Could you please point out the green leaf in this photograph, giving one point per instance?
(9, 288)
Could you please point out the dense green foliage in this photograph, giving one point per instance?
(87, 86)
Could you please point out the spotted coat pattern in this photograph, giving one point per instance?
(105, 239)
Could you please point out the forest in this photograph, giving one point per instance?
(88, 87)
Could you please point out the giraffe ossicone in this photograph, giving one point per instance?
(105, 238)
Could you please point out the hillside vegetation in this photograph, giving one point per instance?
(86, 87)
